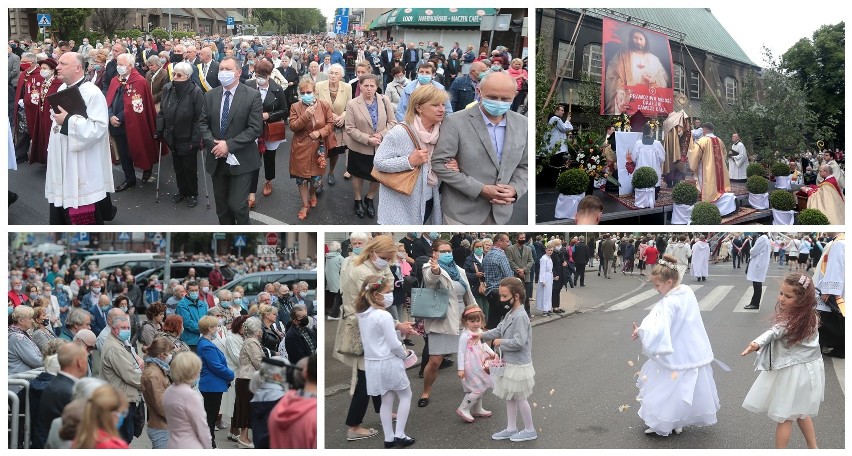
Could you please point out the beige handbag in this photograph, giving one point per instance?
(350, 334)
(402, 182)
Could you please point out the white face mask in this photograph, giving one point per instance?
(121, 69)
(380, 263)
(205, 289)
(46, 73)
(261, 81)
(226, 77)
(387, 299)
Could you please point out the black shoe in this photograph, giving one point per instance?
(389, 445)
(125, 186)
(12, 198)
(403, 442)
(359, 209)
(178, 198)
(371, 209)
(193, 201)
(331, 180)
(408, 342)
(420, 374)
(445, 363)
(751, 306)
(146, 176)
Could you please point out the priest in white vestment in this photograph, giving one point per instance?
(830, 281)
(737, 160)
(649, 152)
(79, 169)
(701, 259)
(758, 265)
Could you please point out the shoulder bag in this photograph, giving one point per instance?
(430, 302)
(482, 284)
(274, 131)
(402, 182)
(350, 337)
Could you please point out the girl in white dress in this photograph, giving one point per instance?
(383, 357)
(544, 295)
(471, 358)
(676, 386)
(791, 383)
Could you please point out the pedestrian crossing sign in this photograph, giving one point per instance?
(43, 20)
(124, 236)
(239, 241)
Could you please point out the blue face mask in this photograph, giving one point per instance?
(357, 250)
(434, 235)
(424, 79)
(496, 108)
(11, 309)
(445, 259)
(483, 74)
(225, 304)
(106, 307)
(496, 68)
(412, 235)
(121, 417)
(307, 98)
(193, 295)
(238, 301)
(124, 335)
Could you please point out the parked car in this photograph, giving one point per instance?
(180, 270)
(255, 282)
(138, 262)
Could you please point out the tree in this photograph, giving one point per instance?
(67, 23)
(108, 20)
(817, 65)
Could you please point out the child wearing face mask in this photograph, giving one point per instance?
(383, 357)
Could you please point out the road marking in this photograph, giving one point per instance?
(265, 219)
(713, 298)
(694, 289)
(840, 371)
(633, 300)
(746, 299)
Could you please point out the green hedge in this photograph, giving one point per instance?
(756, 169)
(645, 177)
(812, 217)
(574, 181)
(782, 200)
(780, 169)
(684, 193)
(757, 184)
(705, 213)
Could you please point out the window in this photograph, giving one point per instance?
(592, 56)
(679, 79)
(566, 51)
(730, 89)
(695, 85)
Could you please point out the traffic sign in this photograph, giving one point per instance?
(83, 238)
(271, 238)
(158, 237)
(43, 20)
(229, 22)
(343, 11)
(124, 237)
(219, 236)
(240, 240)
(162, 243)
(341, 25)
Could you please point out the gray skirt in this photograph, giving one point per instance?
(443, 344)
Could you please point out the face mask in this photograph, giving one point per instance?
(522, 241)
(483, 74)
(445, 259)
(205, 289)
(121, 417)
(177, 58)
(424, 78)
(412, 235)
(261, 81)
(496, 108)
(434, 235)
(46, 73)
(124, 335)
(478, 251)
(193, 295)
(225, 304)
(96, 290)
(399, 79)
(226, 77)
(400, 255)
(307, 98)
(380, 263)
(33, 296)
(168, 359)
(506, 304)
(45, 322)
(106, 308)
(357, 250)
(123, 309)
(238, 301)
(195, 383)
(98, 66)
(387, 299)
(274, 299)
(121, 69)
(303, 293)
(496, 68)
(11, 310)
(162, 61)
(304, 321)
(558, 248)
(250, 63)
(440, 65)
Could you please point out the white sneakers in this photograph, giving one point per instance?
(514, 435)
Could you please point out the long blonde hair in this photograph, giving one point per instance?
(98, 416)
(379, 244)
(424, 95)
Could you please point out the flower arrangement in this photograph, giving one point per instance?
(587, 149)
(654, 124)
(622, 122)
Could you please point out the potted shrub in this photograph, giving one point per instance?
(758, 191)
(783, 206)
(644, 182)
(781, 171)
(705, 213)
(756, 169)
(813, 217)
(685, 196)
(571, 185)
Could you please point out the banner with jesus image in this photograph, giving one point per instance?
(636, 71)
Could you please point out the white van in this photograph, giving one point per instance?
(138, 261)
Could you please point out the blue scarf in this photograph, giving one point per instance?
(453, 272)
(165, 367)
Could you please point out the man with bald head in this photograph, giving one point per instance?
(79, 167)
(110, 72)
(131, 122)
(463, 90)
(191, 55)
(205, 73)
(73, 365)
(176, 57)
(489, 142)
(827, 197)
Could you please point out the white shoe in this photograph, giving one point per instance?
(678, 430)
(330, 318)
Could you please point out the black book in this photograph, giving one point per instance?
(71, 101)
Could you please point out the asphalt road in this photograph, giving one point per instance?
(584, 375)
(137, 206)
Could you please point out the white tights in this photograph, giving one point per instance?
(386, 413)
(512, 407)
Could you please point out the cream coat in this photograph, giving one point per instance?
(344, 95)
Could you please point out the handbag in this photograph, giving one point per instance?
(764, 358)
(482, 285)
(274, 131)
(83, 215)
(410, 360)
(350, 337)
(402, 182)
(429, 302)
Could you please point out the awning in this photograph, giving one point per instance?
(432, 17)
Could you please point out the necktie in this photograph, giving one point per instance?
(204, 69)
(223, 123)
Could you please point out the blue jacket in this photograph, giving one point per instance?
(215, 374)
(336, 57)
(406, 94)
(191, 312)
(98, 322)
(462, 92)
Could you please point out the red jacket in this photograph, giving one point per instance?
(139, 115)
(293, 422)
(17, 298)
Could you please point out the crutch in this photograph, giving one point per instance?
(204, 176)
(159, 162)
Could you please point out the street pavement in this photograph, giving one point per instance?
(136, 206)
(585, 364)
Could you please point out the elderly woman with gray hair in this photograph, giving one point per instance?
(157, 77)
(179, 125)
(269, 384)
(250, 355)
(333, 263)
(24, 354)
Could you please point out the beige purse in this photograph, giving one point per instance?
(402, 182)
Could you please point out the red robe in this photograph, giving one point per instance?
(43, 123)
(26, 82)
(139, 117)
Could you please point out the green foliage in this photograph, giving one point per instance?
(756, 169)
(108, 20)
(817, 65)
(291, 20)
(572, 182)
(644, 177)
(67, 23)
(812, 217)
(757, 184)
(163, 34)
(684, 193)
(780, 169)
(544, 111)
(782, 200)
(705, 213)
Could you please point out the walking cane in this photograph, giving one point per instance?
(204, 177)
(159, 162)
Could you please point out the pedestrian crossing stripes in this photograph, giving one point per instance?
(715, 295)
(746, 299)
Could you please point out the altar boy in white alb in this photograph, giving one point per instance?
(701, 259)
(79, 171)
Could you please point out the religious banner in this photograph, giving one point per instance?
(636, 71)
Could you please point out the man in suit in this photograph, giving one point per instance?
(73, 365)
(423, 245)
(191, 55)
(230, 128)
(521, 259)
(387, 63)
(489, 143)
(410, 57)
(110, 71)
(206, 73)
(581, 258)
(608, 248)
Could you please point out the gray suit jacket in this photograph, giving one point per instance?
(464, 137)
(244, 127)
(14, 69)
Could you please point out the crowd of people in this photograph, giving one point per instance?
(180, 359)
(232, 100)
